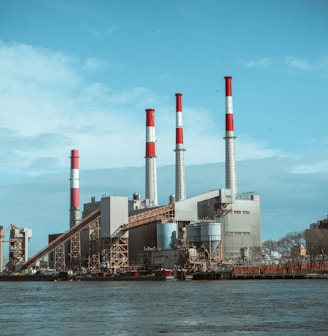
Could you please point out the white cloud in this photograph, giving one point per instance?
(93, 64)
(261, 62)
(23, 62)
(35, 84)
(100, 33)
(49, 107)
(249, 149)
(294, 63)
(302, 64)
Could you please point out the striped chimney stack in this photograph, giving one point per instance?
(75, 188)
(151, 179)
(180, 186)
(231, 182)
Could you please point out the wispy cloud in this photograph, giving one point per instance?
(311, 168)
(100, 32)
(249, 149)
(94, 64)
(261, 62)
(302, 64)
(289, 62)
(21, 61)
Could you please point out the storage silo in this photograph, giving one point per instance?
(166, 235)
(210, 235)
(193, 233)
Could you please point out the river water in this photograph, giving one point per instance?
(235, 307)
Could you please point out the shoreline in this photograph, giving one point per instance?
(197, 276)
(76, 278)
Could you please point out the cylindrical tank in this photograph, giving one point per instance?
(172, 199)
(244, 252)
(193, 233)
(210, 234)
(166, 235)
(136, 196)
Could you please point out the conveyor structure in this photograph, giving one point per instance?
(114, 248)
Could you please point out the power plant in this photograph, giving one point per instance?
(196, 233)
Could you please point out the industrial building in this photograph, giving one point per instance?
(18, 247)
(316, 237)
(197, 232)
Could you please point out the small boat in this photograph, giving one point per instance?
(164, 272)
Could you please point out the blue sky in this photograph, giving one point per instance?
(80, 74)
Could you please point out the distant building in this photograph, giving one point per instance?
(316, 238)
(18, 247)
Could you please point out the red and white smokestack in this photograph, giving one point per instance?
(180, 186)
(75, 188)
(151, 178)
(231, 182)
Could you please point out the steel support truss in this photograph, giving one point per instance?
(105, 253)
(75, 252)
(119, 253)
(59, 257)
(94, 246)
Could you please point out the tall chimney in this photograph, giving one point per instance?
(180, 186)
(151, 179)
(75, 188)
(231, 182)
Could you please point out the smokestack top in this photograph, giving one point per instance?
(151, 183)
(150, 133)
(229, 109)
(228, 85)
(150, 119)
(74, 159)
(178, 102)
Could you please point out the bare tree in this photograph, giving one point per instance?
(256, 252)
(285, 246)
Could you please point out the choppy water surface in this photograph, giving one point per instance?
(254, 307)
